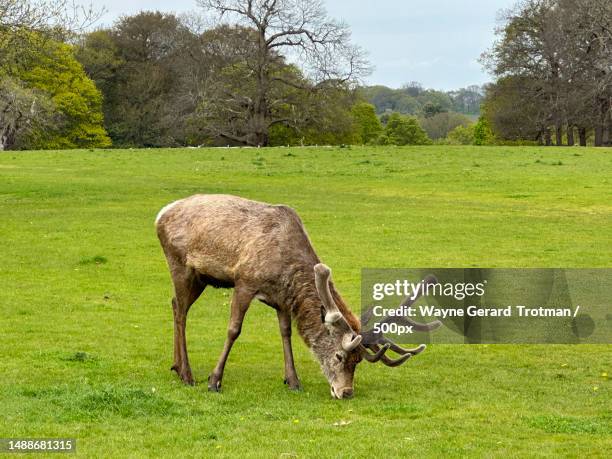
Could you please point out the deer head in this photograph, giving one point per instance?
(342, 348)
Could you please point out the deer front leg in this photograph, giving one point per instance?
(240, 304)
(284, 323)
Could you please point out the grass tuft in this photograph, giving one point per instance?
(572, 425)
(96, 260)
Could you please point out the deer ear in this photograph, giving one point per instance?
(322, 314)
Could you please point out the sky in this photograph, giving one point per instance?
(434, 42)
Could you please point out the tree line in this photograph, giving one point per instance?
(413, 99)
(285, 73)
(159, 80)
(553, 64)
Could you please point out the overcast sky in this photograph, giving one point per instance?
(435, 42)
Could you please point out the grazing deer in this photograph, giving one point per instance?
(264, 253)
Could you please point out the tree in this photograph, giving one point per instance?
(411, 99)
(297, 28)
(431, 109)
(23, 113)
(467, 100)
(98, 54)
(145, 66)
(404, 130)
(433, 102)
(53, 71)
(562, 50)
(326, 119)
(438, 126)
(483, 135)
(461, 135)
(46, 14)
(368, 124)
(514, 111)
(51, 18)
(414, 88)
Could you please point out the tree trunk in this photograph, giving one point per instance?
(582, 136)
(570, 135)
(605, 136)
(559, 135)
(8, 139)
(547, 137)
(609, 129)
(598, 135)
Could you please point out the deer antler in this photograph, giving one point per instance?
(322, 275)
(372, 339)
(333, 316)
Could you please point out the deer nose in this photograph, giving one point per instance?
(346, 393)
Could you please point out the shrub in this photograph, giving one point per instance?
(403, 130)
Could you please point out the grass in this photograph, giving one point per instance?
(86, 323)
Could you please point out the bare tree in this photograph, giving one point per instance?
(296, 30)
(22, 111)
(42, 14)
(58, 19)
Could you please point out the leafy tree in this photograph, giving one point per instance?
(143, 66)
(387, 99)
(483, 135)
(461, 135)
(51, 69)
(514, 111)
(467, 100)
(414, 88)
(431, 109)
(368, 124)
(330, 118)
(99, 55)
(438, 100)
(438, 126)
(327, 120)
(404, 130)
(413, 99)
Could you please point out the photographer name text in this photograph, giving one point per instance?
(474, 311)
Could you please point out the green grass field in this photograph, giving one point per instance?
(86, 321)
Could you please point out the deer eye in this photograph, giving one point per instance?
(339, 357)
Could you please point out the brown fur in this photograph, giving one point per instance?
(263, 252)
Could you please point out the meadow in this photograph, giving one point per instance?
(86, 321)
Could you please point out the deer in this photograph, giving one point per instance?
(263, 252)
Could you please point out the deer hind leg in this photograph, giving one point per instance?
(284, 323)
(187, 287)
(241, 301)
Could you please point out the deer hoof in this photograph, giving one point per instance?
(184, 374)
(293, 384)
(214, 384)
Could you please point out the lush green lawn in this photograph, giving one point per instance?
(86, 322)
